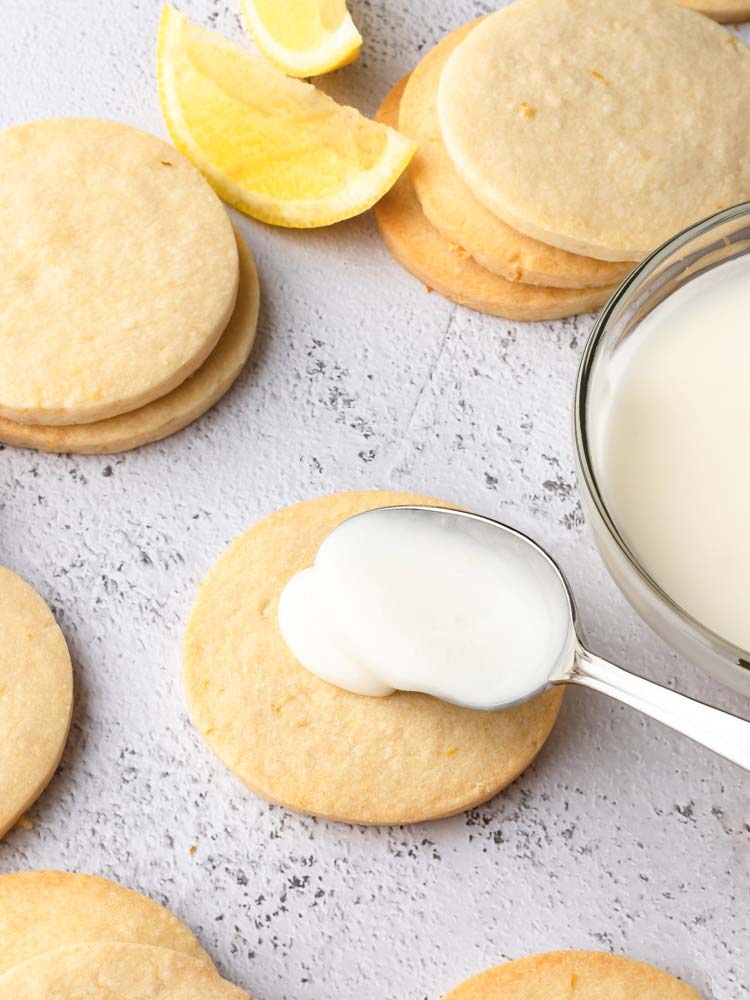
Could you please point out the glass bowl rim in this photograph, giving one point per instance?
(635, 280)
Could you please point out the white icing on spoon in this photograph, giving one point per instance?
(397, 602)
(466, 609)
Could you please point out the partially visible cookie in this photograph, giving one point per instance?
(44, 910)
(583, 975)
(447, 268)
(107, 971)
(577, 123)
(170, 413)
(36, 697)
(721, 10)
(459, 216)
(314, 747)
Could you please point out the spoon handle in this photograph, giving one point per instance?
(721, 732)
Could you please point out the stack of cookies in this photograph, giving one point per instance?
(559, 143)
(67, 936)
(129, 303)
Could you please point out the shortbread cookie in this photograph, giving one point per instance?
(36, 697)
(584, 975)
(109, 971)
(447, 268)
(44, 910)
(458, 215)
(118, 270)
(170, 413)
(585, 123)
(314, 747)
(721, 10)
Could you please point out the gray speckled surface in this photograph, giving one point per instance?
(621, 836)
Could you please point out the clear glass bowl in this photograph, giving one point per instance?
(722, 237)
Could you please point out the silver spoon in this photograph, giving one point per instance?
(720, 731)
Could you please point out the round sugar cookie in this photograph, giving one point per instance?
(36, 697)
(721, 10)
(454, 211)
(585, 975)
(587, 125)
(316, 748)
(111, 971)
(170, 413)
(44, 910)
(118, 270)
(447, 268)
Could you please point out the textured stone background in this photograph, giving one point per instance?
(622, 836)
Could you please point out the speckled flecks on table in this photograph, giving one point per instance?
(622, 836)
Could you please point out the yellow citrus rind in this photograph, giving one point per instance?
(331, 49)
(275, 148)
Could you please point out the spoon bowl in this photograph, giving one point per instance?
(573, 663)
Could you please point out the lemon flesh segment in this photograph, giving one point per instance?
(303, 37)
(277, 149)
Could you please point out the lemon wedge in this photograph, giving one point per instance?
(277, 149)
(303, 37)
